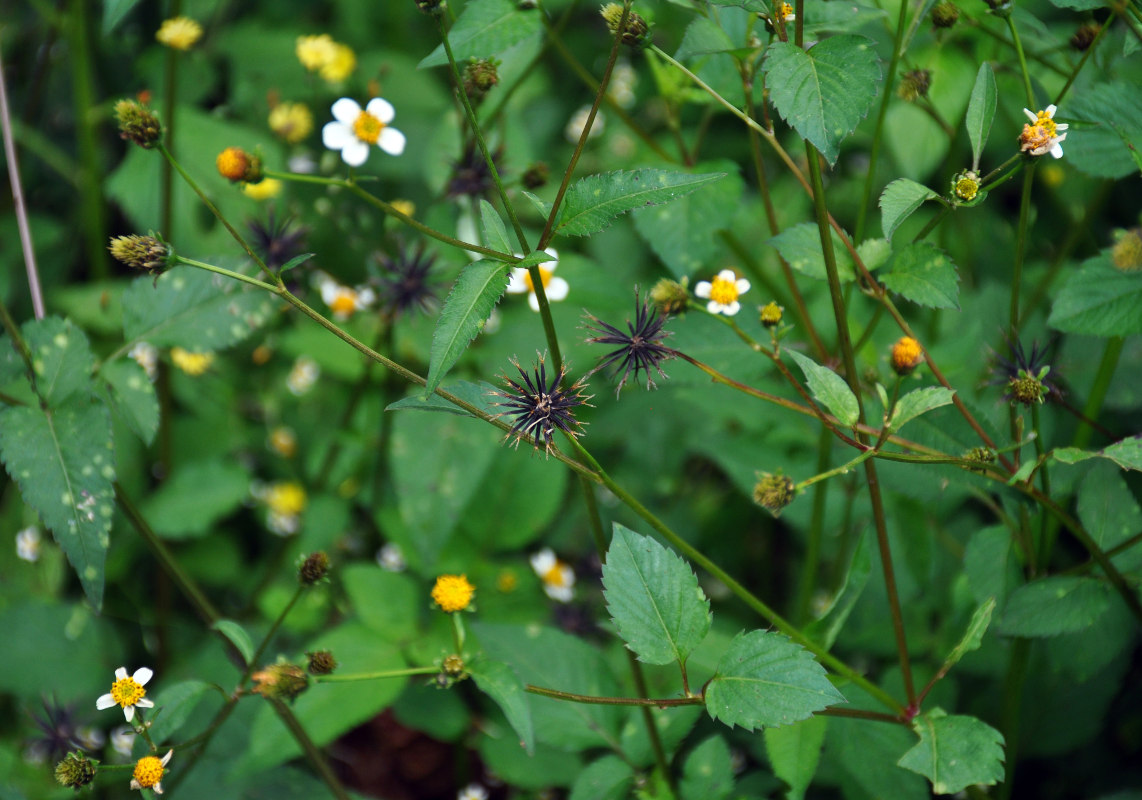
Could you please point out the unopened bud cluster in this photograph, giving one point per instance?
(480, 76)
(321, 662)
(282, 681)
(670, 296)
(313, 568)
(773, 492)
(945, 14)
(138, 123)
(914, 84)
(238, 166)
(634, 32)
(147, 253)
(75, 771)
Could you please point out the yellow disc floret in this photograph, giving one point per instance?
(723, 291)
(148, 771)
(453, 592)
(544, 277)
(906, 355)
(127, 692)
(367, 127)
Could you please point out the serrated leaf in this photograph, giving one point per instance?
(919, 402)
(593, 202)
(1048, 607)
(63, 462)
(899, 200)
(794, 752)
(192, 308)
(474, 295)
(1105, 140)
(654, 598)
(498, 681)
(800, 246)
(977, 627)
(478, 394)
(495, 234)
(61, 358)
(1110, 513)
(1099, 300)
(875, 253)
(924, 274)
(295, 261)
(486, 28)
(765, 680)
(955, 752)
(981, 111)
(237, 636)
(1126, 453)
(829, 389)
(133, 395)
(704, 36)
(823, 93)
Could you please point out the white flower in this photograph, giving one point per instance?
(1042, 135)
(123, 740)
(555, 288)
(127, 692)
(391, 558)
(621, 87)
(344, 301)
(304, 374)
(91, 738)
(355, 129)
(557, 576)
(28, 544)
(147, 356)
(473, 791)
(149, 771)
(723, 292)
(578, 121)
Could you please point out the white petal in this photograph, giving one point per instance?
(365, 296)
(533, 301)
(135, 784)
(732, 308)
(713, 307)
(120, 673)
(346, 110)
(105, 701)
(557, 289)
(1033, 117)
(728, 275)
(157, 788)
(329, 292)
(1061, 126)
(551, 251)
(355, 153)
(391, 141)
(142, 675)
(516, 283)
(702, 289)
(543, 561)
(129, 712)
(1056, 150)
(145, 703)
(1051, 109)
(167, 757)
(336, 135)
(742, 285)
(563, 594)
(381, 109)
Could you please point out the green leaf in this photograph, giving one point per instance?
(175, 704)
(1048, 607)
(924, 274)
(495, 234)
(63, 462)
(295, 262)
(194, 309)
(1106, 133)
(827, 627)
(608, 778)
(794, 752)
(476, 394)
(683, 233)
(704, 36)
(708, 771)
(981, 111)
(899, 200)
(829, 389)
(386, 602)
(61, 358)
(593, 202)
(654, 598)
(476, 292)
(800, 246)
(748, 5)
(766, 680)
(195, 497)
(1099, 300)
(825, 92)
(955, 752)
(237, 636)
(918, 402)
(133, 395)
(498, 681)
(1108, 510)
(1126, 453)
(487, 28)
(113, 13)
(977, 627)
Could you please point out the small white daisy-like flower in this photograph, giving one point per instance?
(578, 121)
(123, 740)
(355, 128)
(1043, 134)
(555, 288)
(90, 737)
(473, 791)
(557, 576)
(344, 301)
(147, 357)
(786, 13)
(28, 544)
(723, 292)
(621, 87)
(149, 771)
(303, 376)
(391, 558)
(127, 692)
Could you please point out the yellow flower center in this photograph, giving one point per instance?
(966, 189)
(544, 277)
(344, 303)
(556, 576)
(1046, 124)
(906, 354)
(722, 291)
(127, 692)
(368, 128)
(453, 592)
(785, 10)
(148, 771)
(191, 363)
(286, 499)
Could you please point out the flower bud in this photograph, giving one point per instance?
(236, 165)
(671, 297)
(914, 84)
(313, 568)
(771, 314)
(480, 76)
(536, 175)
(148, 253)
(965, 186)
(945, 14)
(283, 681)
(634, 33)
(773, 492)
(138, 123)
(453, 665)
(1126, 254)
(76, 770)
(1084, 37)
(1026, 389)
(906, 355)
(433, 8)
(980, 455)
(321, 662)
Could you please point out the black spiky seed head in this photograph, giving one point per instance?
(538, 408)
(638, 349)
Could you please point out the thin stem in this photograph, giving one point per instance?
(1086, 55)
(1022, 61)
(1046, 531)
(311, 750)
(841, 470)
(238, 276)
(170, 88)
(1021, 246)
(1098, 390)
(812, 561)
(662, 702)
(373, 676)
(1010, 712)
(257, 657)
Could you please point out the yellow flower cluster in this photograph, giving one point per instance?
(291, 121)
(333, 61)
(453, 592)
(191, 363)
(179, 33)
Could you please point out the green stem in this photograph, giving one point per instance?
(812, 562)
(238, 276)
(257, 657)
(1022, 61)
(378, 675)
(665, 702)
(170, 88)
(311, 750)
(841, 470)
(1012, 704)
(1021, 246)
(1098, 390)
